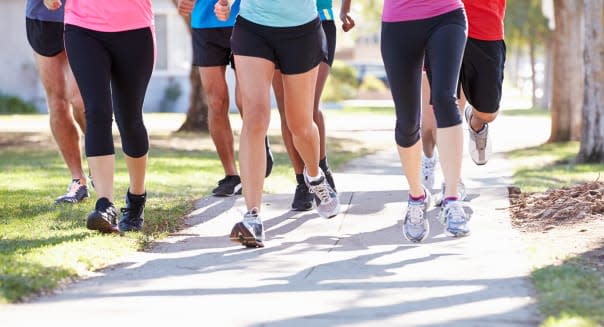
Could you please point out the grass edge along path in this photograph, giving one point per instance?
(570, 293)
(43, 245)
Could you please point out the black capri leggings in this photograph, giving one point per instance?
(442, 40)
(112, 70)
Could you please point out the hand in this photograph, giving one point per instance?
(222, 9)
(185, 7)
(347, 21)
(53, 4)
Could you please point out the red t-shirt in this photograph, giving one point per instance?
(485, 19)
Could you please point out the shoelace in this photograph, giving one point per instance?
(321, 191)
(455, 214)
(415, 212)
(73, 188)
(110, 211)
(481, 139)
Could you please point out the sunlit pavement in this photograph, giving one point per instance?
(353, 270)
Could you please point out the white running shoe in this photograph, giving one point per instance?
(479, 143)
(328, 204)
(428, 166)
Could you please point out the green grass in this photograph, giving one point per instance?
(551, 166)
(572, 293)
(539, 112)
(43, 244)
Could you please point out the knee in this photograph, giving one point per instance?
(486, 117)
(301, 131)
(218, 100)
(58, 106)
(446, 110)
(406, 135)
(135, 141)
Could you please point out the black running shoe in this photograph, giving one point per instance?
(76, 192)
(228, 186)
(269, 157)
(103, 218)
(250, 231)
(329, 178)
(133, 215)
(303, 199)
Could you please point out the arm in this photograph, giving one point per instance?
(185, 7)
(222, 9)
(347, 21)
(53, 4)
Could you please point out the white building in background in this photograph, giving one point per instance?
(18, 75)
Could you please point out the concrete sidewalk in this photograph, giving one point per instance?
(353, 270)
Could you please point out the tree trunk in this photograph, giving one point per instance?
(592, 138)
(197, 114)
(532, 56)
(568, 71)
(545, 102)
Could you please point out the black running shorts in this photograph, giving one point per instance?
(329, 27)
(294, 50)
(212, 46)
(45, 38)
(481, 75)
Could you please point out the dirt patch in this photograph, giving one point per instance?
(561, 223)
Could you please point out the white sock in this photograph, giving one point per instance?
(314, 178)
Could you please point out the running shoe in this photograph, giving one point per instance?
(415, 225)
(328, 204)
(428, 166)
(269, 157)
(462, 194)
(103, 218)
(455, 219)
(479, 143)
(133, 215)
(228, 186)
(302, 198)
(329, 178)
(76, 192)
(250, 231)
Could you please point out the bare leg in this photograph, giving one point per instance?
(299, 90)
(137, 168)
(428, 129)
(450, 149)
(294, 157)
(53, 72)
(215, 86)
(103, 169)
(411, 161)
(254, 76)
(317, 113)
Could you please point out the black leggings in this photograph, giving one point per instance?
(442, 40)
(112, 70)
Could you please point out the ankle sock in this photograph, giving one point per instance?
(449, 199)
(300, 178)
(102, 204)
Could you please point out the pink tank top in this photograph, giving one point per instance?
(109, 15)
(404, 10)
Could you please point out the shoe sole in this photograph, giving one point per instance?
(302, 209)
(73, 201)
(98, 223)
(240, 234)
(457, 233)
(237, 191)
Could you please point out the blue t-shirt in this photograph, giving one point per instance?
(279, 13)
(203, 15)
(35, 9)
(325, 9)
